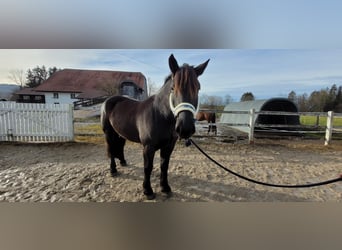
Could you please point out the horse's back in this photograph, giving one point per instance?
(207, 116)
(108, 106)
(122, 113)
(110, 102)
(116, 104)
(200, 116)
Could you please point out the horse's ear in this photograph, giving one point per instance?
(173, 64)
(200, 68)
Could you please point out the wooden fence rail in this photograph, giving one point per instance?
(328, 129)
(36, 122)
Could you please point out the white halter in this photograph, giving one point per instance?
(183, 106)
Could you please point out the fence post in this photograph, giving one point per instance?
(251, 126)
(328, 131)
(71, 122)
(317, 120)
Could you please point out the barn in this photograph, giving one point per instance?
(239, 119)
(86, 86)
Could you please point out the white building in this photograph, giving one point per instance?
(70, 86)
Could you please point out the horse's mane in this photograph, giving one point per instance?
(168, 78)
(186, 79)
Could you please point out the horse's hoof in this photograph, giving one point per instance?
(166, 191)
(123, 163)
(150, 196)
(148, 192)
(114, 174)
(167, 194)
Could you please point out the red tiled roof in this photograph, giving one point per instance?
(88, 82)
(27, 91)
(90, 94)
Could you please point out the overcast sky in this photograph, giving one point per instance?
(266, 73)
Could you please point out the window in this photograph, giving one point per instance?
(38, 98)
(55, 95)
(26, 97)
(73, 95)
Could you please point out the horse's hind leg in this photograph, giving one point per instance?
(215, 129)
(110, 140)
(120, 150)
(115, 149)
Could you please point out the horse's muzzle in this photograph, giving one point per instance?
(185, 125)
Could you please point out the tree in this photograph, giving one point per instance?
(214, 101)
(38, 75)
(204, 99)
(17, 76)
(248, 96)
(53, 70)
(338, 101)
(109, 87)
(318, 100)
(292, 96)
(211, 102)
(151, 87)
(302, 102)
(227, 99)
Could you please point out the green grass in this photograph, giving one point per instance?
(89, 133)
(312, 120)
(93, 128)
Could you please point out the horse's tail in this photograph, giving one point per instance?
(107, 127)
(104, 118)
(114, 142)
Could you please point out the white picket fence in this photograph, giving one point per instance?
(36, 122)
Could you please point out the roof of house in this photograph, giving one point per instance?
(89, 82)
(27, 91)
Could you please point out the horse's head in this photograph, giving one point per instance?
(184, 96)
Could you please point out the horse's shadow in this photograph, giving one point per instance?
(190, 189)
(206, 190)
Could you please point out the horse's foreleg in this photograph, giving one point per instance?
(165, 154)
(149, 152)
(210, 127)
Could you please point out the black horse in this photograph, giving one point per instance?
(156, 122)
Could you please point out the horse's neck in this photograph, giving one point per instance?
(161, 100)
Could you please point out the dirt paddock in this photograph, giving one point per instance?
(80, 172)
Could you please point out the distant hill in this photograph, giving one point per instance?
(6, 90)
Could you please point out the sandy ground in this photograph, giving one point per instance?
(80, 172)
